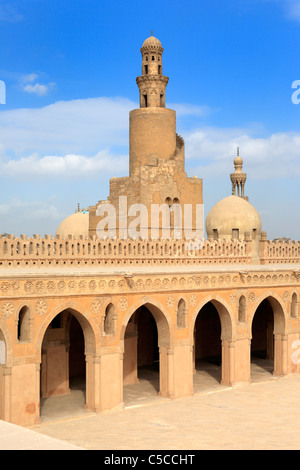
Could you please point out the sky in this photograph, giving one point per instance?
(69, 69)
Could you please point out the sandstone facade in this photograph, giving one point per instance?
(77, 305)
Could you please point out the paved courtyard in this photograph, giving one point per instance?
(262, 415)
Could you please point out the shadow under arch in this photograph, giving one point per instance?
(145, 340)
(90, 333)
(6, 338)
(225, 315)
(54, 353)
(279, 311)
(162, 319)
(211, 332)
(268, 326)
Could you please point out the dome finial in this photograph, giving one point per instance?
(238, 152)
(151, 32)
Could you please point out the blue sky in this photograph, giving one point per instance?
(70, 66)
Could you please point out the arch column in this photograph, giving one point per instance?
(177, 378)
(92, 401)
(21, 388)
(5, 393)
(280, 354)
(236, 361)
(109, 374)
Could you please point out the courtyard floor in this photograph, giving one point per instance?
(263, 415)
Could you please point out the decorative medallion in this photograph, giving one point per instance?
(4, 287)
(7, 310)
(72, 285)
(193, 300)
(286, 296)
(39, 286)
(28, 286)
(96, 306)
(41, 307)
(123, 304)
(51, 286)
(170, 302)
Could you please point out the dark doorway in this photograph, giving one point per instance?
(208, 350)
(262, 344)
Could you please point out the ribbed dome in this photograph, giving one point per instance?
(233, 214)
(152, 41)
(76, 224)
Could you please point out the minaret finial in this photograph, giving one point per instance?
(238, 178)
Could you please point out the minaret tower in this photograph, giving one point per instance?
(238, 178)
(157, 177)
(152, 127)
(152, 83)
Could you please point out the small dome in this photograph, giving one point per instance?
(76, 224)
(231, 218)
(238, 161)
(152, 41)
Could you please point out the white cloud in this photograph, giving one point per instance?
(272, 156)
(26, 84)
(85, 138)
(70, 166)
(37, 89)
(82, 127)
(28, 217)
(31, 77)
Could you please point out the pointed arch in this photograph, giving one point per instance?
(162, 318)
(147, 320)
(268, 323)
(279, 311)
(181, 315)
(90, 331)
(225, 314)
(294, 306)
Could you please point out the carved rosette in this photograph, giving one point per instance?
(7, 310)
(286, 296)
(170, 302)
(41, 307)
(123, 304)
(96, 306)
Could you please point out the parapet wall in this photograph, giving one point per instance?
(47, 251)
(278, 251)
(23, 251)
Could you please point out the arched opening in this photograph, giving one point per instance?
(294, 306)
(266, 352)
(23, 330)
(110, 320)
(242, 309)
(212, 335)
(207, 348)
(63, 368)
(181, 316)
(146, 339)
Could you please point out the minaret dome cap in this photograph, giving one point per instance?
(152, 41)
